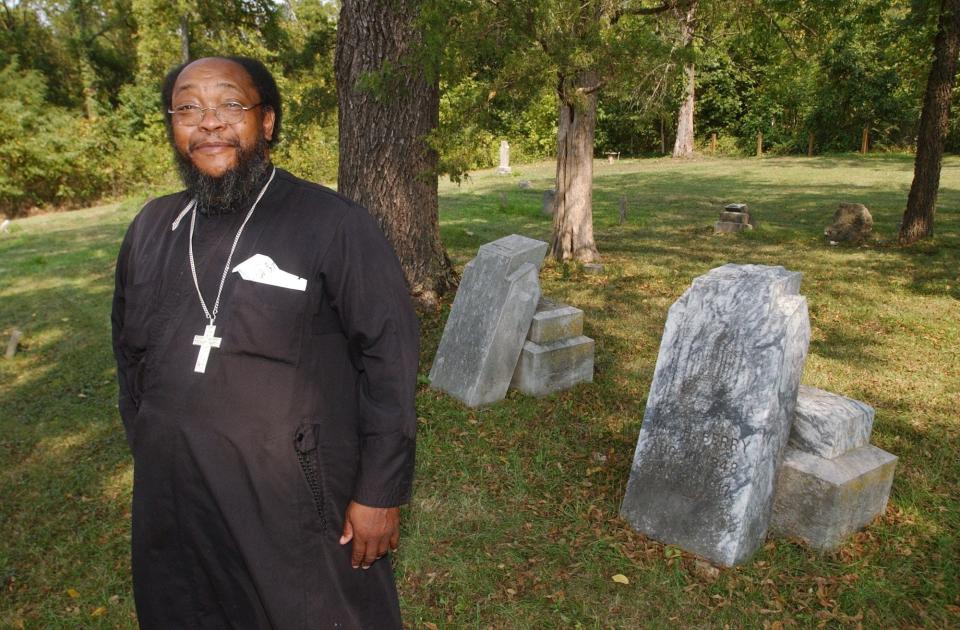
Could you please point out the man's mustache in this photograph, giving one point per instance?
(213, 140)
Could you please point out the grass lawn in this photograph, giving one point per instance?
(514, 520)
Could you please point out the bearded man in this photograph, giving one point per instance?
(266, 355)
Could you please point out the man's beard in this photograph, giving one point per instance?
(229, 192)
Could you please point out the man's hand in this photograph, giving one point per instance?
(374, 531)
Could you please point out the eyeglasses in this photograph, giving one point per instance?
(192, 115)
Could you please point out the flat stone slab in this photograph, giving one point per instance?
(823, 501)
(554, 321)
(729, 227)
(828, 425)
(592, 269)
(736, 207)
(719, 412)
(489, 321)
(734, 217)
(553, 366)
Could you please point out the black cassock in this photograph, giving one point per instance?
(242, 473)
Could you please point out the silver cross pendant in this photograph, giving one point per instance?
(206, 341)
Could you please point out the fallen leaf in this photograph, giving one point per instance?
(620, 578)
(429, 625)
(99, 611)
(705, 571)
(73, 593)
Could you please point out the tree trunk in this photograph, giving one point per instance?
(921, 203)
(683, 146)
(184, 38)
(388, 104)
(573, 203)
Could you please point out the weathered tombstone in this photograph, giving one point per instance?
(525, 184)
(489, 320)
(5, 226)
(13, 344)
(832, 481)
(851, 222)
(504, 167)
(547, 207)
(735, 217)
(719, 412)
(623, 210)
(556, 354)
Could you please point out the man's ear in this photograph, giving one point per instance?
(269, 117)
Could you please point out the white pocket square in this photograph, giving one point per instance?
(262, 269)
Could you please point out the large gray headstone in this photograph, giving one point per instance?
(719, 412)
(489, 321)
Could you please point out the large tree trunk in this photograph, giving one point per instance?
(388, 104)
(934, 119)
(573, 203)
(184, 38)
(683, 147)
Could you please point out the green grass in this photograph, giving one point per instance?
(514, 520)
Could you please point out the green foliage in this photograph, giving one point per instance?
(47, 154)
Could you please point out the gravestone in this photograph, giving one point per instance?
(719, 412)
(832, 481)
(5, 226)
(623, 210)
(851, 222)
(13, 343)
(547, 208)
(556, 354)
(489, 320)
(735, 217)
(525, 184)
(504, 167)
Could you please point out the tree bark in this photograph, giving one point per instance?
(388, 105)
(683, 146)
(184, 38)
(921, 203)
(573, 203)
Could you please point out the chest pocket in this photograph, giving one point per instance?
(265, 321)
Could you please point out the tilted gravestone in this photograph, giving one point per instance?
(719, 412)
(489, 320)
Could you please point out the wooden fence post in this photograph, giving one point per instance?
(865, 141)
(759, 144)
(810, 144)
(713, 143)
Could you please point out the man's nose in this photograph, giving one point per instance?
(209, 120)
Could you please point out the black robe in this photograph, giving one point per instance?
(242, 473)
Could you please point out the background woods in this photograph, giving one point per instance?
(559, 79)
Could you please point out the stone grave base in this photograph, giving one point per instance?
(550, 367)
(735, 217)
(822, 501)
(555, 355)
(729, 227)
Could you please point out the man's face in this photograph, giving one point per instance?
(213, 146)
